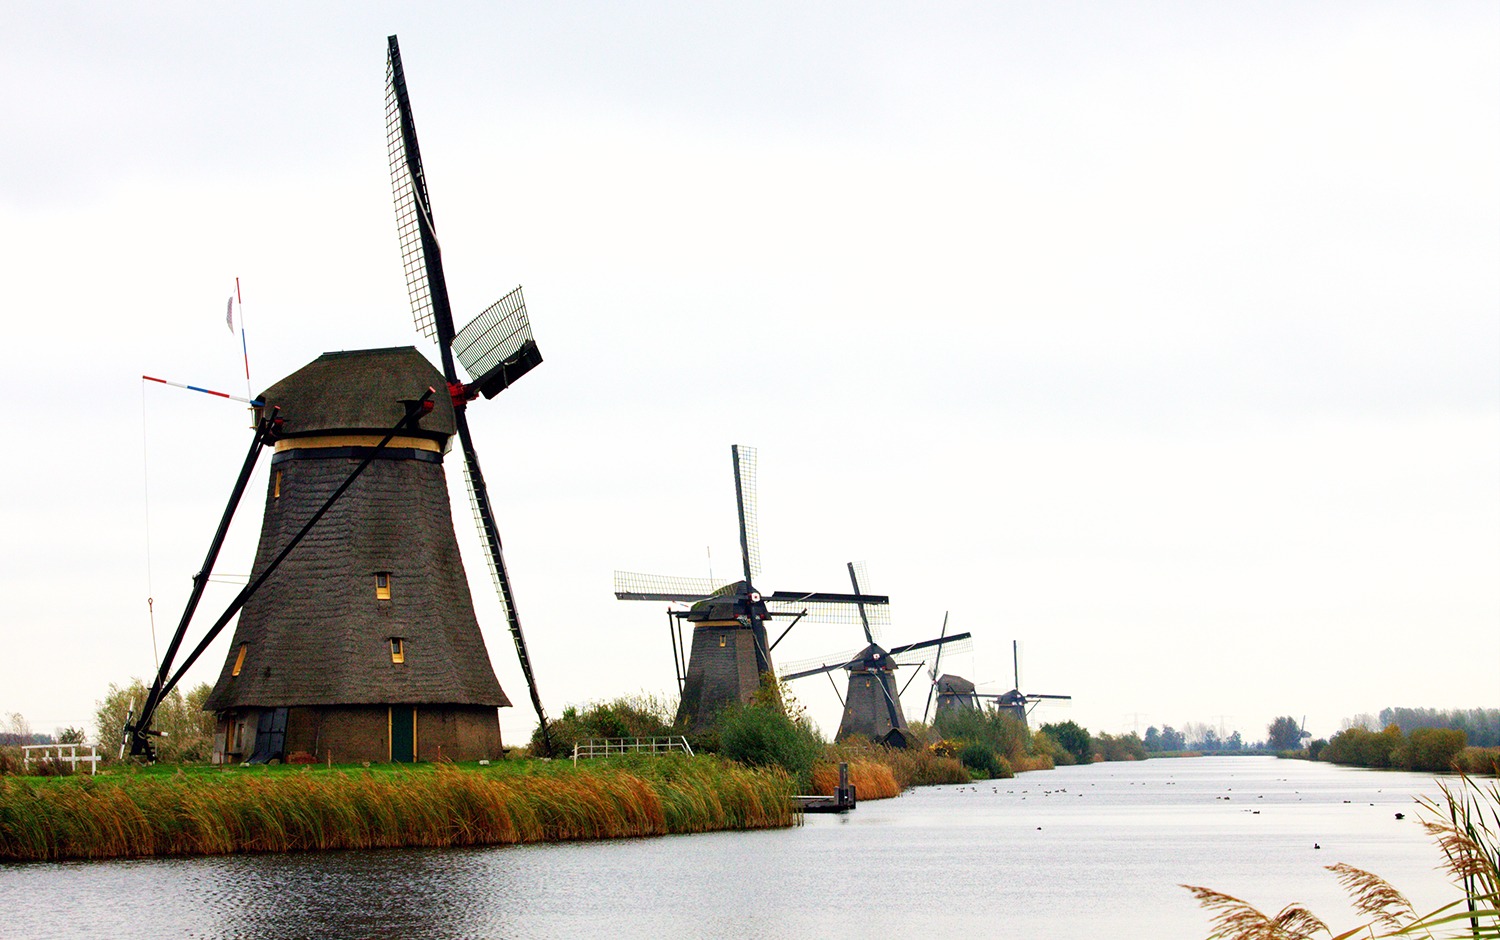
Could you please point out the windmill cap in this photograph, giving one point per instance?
(360, 391)
(948, 682)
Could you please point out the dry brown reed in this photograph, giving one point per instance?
(872, 781)
(443, 805)
(911, 767)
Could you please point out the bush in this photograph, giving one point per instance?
(1071, 738)
(984, 762)
(761, 736)
(995, 728)
(1434, 748)
(637, 716)
(1123, 747)
(1477, 761)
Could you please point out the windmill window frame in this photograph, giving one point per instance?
(276, 486)
(723, 640)
(398, 650)
(239, 660)
(382, 585)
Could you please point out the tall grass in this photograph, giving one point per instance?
(871, 780)
(909, 767)
(250, 811)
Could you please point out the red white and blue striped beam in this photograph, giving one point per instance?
(206, 391)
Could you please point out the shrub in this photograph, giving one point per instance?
(985, 762)
(1071, 738)
(636, 716)
(761, 736)
(1480, 761)
(1434, 749)
(1123, 747)
(997, 729)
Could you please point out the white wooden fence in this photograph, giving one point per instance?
(614, 747)
(43, 752)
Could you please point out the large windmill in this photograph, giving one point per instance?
(731, 652)
(872, 704)
(956, 692)
(357, 635)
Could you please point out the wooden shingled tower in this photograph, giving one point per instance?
(357, 638)
(363, 644)
(872, 701)
(730, 654)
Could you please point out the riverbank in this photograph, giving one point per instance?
(287, 809)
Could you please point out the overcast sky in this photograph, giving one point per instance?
(1162, 338)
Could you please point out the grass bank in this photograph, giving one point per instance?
(291, 809)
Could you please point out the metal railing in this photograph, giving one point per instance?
(72, 758)
(615, 747)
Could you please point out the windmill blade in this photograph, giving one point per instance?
(421, 258)
(422, 261)
(864, 619)
(925, 644)
(831, 607)
(479, 501)
(1029, 697)
(813, 665)
(635, 586)
(915, 654)
(745, 502)
(937, 662)
(497, 347)
(817, 670)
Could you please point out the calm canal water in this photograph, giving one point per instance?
(1079, 851)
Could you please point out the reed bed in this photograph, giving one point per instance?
(872, 781)
(311, 809)
(910, 767)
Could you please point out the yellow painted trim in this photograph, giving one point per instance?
(414, 751)
(356, 440)
(389, 724)
(719, 623)
(276, 494)
(239, 661)
(382, 591)
(398, 650)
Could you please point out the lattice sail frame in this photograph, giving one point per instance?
(667, 587)
(500, 587)
(494, 336)
(832, 661)
(409, 188)
(744, 476)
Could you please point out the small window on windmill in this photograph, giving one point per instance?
(723, 639)
(382, 585)
(398, 650)
(239, 659)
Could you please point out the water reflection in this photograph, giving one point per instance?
(1044, 855)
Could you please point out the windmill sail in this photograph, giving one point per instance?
(497, 347)
(503, 329)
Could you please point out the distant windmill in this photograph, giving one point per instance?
(872, 704)
(357, 635)
(731, 652)
(956, 692)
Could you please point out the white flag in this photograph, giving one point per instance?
(229, 314)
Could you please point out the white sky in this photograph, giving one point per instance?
(1163, 338)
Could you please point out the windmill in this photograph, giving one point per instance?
(956, 692)
(357, 634)
(730, 654)
(872, 705)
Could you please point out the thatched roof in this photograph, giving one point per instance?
(360, 391)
